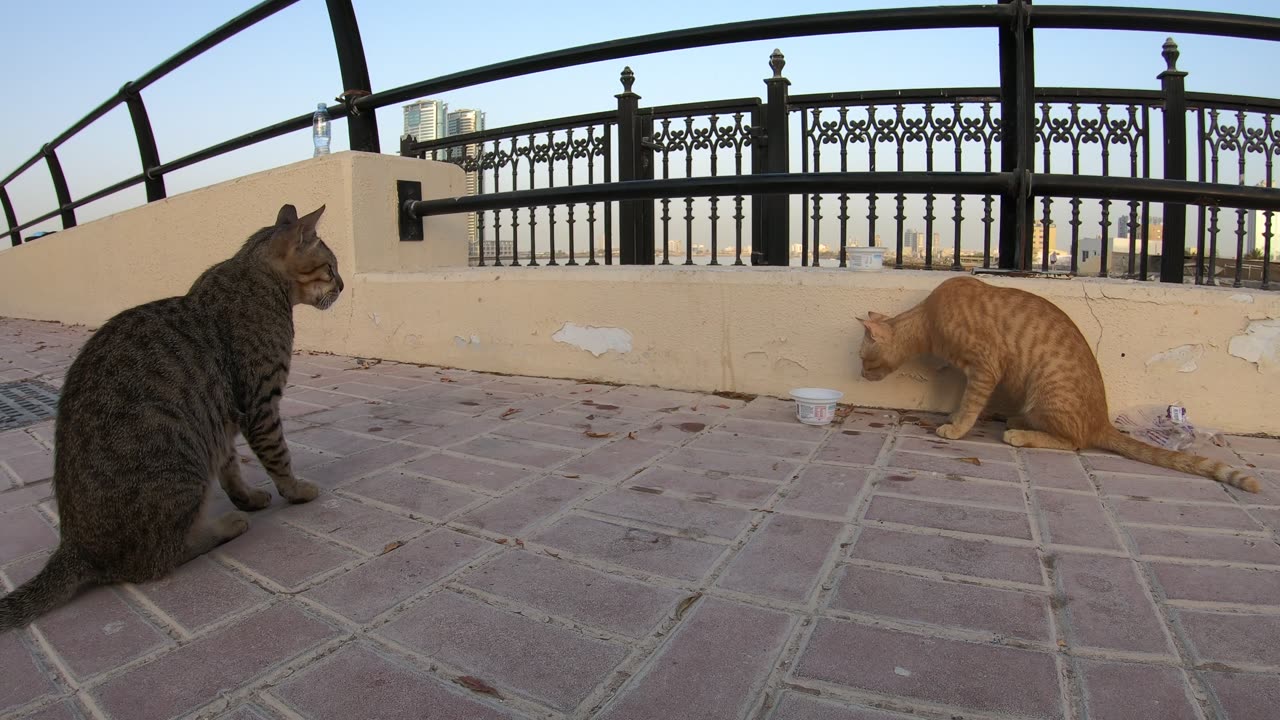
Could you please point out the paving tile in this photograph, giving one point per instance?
(631, 547)
(513, 513)
(378, 585)
(23, 532)
(353, 467)
(773, 447)
(989, 470)
(1107, 605)
(853, 447)
(98, 631)
(1266, 445)
(26, 674)
(1270, 518)
(703, 486)
(471, 472)
(956, 449)
(784, 558)
(1115, 463)
(614, 461)
(26, 496)
(1121, 691)
(1005, 495)
(544, 661)
(17, 442)
(649, 398)
(1233, 639)
(1053, 469)
(794, 706)
(870, 419)
(477, 400)
(357, 681)
(1173, 542)
(792, 430)
(514, 451)
(960, 518)
(453, 433)
(65, 710)
(1075, 520)
(768, 408)
(826, 489)
(549, 434)
(336, 442)
(1003, 612)
(979, 558)
(196, 674)
(587, 596)
(201, 592)
(31, 467)
(745, 465)
(359, 525)
(1201, 489)
(1217, 584)
(965, 675)
(925, 424)
(1180, 515)
(683, 517)
(415, 495)
(583, 420)
(710, 669)
(288, 557)
(674, 428)
(1245, 696)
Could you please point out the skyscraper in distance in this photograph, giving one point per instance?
(426, 120)
(461, 122)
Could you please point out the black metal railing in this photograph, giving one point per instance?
(854, 151)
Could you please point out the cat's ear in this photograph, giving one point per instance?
(873, 315)
(310, 220)
(877, 330)
(287, 216)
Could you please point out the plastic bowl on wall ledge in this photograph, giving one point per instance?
(816, 406)
(865, 259)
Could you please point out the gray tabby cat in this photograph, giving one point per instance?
(150, 410)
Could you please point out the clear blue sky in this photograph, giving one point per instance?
(64, 57)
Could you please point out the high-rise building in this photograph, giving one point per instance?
(1038, 241)
(461, 122)
(426, 120)
(1259, 224)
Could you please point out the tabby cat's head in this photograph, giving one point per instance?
(880, 354)
(303, 258)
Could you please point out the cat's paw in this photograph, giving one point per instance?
(255, 499)
(949, 431)
(301, 491)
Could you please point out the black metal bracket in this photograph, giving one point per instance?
(408, 191)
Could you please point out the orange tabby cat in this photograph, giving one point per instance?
(1032, 350)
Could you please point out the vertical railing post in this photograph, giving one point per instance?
(758, 165)
(1017, 128)
(10, 217)
(60, 186)
(147, 152)
(1173, 86)
(776, 224)
(362, 127)
(629, 150)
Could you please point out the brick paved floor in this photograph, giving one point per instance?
(502, 547)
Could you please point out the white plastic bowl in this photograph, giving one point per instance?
(816, 406)
(865, 259)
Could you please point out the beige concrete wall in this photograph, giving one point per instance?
(757, 330)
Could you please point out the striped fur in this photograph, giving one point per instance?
(150, 410)
(1022, 348)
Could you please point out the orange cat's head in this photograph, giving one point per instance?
(880, 354)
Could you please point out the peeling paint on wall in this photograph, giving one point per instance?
(1184, 358)
(1242, 298)
(460, 341)
(595, 340)
(1260, 344)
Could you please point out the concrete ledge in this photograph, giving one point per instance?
(757, 330)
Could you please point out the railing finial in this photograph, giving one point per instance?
(776, 62)
(1170, 52)
(628, 79)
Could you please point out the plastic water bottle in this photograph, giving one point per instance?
(320, 130)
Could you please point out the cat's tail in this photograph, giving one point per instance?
(1118, 442)
(66, 572)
